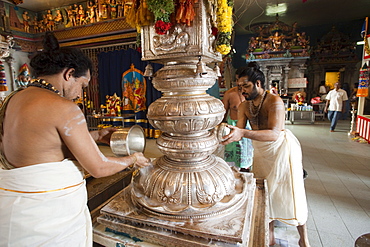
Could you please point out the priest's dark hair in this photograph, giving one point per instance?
(53, 59)
(239, 70)
(253, 72)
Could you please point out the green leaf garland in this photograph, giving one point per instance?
(162, 9)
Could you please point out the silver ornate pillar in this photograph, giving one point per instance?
(188, 190)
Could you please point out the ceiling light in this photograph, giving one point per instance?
(273, 9)
(360, 42)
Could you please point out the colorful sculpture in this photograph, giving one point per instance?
(91, 12)
(275, 39)
(134, 90)
(71, 17)
(58, 18)
(50, 21)
(113, 9)
(81, 15)
(299, 97)
(24, 76)
(26, 24)
(113, 105)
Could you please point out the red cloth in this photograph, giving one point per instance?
(315, 100)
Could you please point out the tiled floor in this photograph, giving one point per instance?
(337, 186)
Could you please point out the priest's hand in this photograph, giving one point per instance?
(236, 134)
(103, 135)
(140, 160)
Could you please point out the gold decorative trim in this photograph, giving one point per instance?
(367, 47)
(100, 39)
(93, 29)
(44, 191)
(102, 32)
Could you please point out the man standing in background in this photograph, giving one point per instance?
(240, 153)
(335, 104)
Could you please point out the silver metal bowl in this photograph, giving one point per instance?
(127, 141)
(221, 130)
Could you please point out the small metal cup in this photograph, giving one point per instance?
(127, 141)
(222, 130)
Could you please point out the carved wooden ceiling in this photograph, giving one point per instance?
(249, 12)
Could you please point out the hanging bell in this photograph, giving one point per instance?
(217, 70)
(148, 70)
(201, 67)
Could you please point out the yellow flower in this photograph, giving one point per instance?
(223, 49)
(224, 26)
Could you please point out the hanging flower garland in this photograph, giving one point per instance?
(131, 15)
(224, 26)
(162, 9)
(143, 15)
(185, 12)
(142, 10)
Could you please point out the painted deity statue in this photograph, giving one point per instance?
(71, 17)
(104, 11)
(26, 19)
(58, 19)
(91, 12)
(277, 40)
(119, 9)
(113, 9)
(75, 13)
(35, 24)
(303, 40)
(81, 15)
(113, 105)
(299, 97)
(45, 22)
(24, 76)
(50, 21)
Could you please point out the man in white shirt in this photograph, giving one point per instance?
(335, 104)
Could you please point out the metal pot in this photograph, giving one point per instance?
(127, 141)
(221, 130)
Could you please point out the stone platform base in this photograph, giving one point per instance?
(121, 217)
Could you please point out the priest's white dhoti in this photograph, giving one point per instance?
(280, 163)
(44, 205)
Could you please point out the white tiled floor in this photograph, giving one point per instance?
(338, 184)
(337, 187)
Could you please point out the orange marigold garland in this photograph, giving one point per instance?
(131, 14)
(143, 15)
(138, 16)
(185, 11)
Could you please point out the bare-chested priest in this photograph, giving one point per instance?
(45, 143)
(277, 152)
(240, 153)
